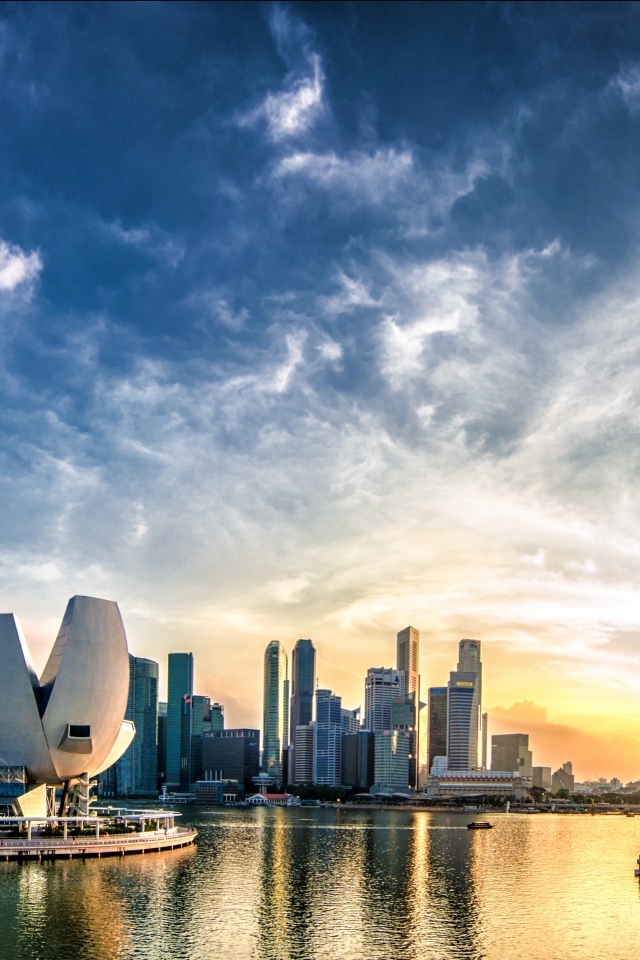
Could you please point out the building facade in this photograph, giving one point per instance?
(232, 754)
(510, 752)
(391, 762)
(162, 745)
(327, 751)
(436, 724)
(408, 660)
(542, 778)
(303, 754)
(180, 686)
(470, 785)
(563, 778)
(275, 710)
(303, 684)
(196, 716)
(382, 687)
(462, 721)
(136, 770)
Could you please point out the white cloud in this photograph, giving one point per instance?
(293, 111)
(17, 268)
(367, 177)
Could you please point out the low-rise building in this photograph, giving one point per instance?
(563, 778)
(542, 778)
(471, 784)
(217, 791)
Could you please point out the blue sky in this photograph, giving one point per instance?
(320, 319)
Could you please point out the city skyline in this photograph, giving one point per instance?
(311, 329)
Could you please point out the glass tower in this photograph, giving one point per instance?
(327, 752)
(180, 686)
(275, 736)
(303, 682)
(437, 724)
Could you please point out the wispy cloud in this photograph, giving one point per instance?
(18, 269)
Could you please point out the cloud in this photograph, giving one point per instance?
(366, 178)
(17, 268)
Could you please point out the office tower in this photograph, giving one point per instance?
(382, 686)
(358, 759)
(542, 778)
(136, 769)
(180, 686)
(350, 720)
(327, 748)
(303, 754)
(276, 710)
(408, 650)
(463, 708)
(462, 721)
(391, 765)
(303, 684)
(437, 724)
(510, 753)
(162, 745)
(563, 778)
(232, 754)
(217, 717)
(196, 712)
(485, 736)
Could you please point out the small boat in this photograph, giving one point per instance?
(630, 813)
(479, 825)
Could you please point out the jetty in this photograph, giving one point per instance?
(110, 832)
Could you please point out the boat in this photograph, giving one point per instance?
(479, 825)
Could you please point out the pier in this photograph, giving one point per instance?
(111, 832)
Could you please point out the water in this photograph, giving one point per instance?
(302, 884)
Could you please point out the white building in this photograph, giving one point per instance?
(382, 686)
(471, 784)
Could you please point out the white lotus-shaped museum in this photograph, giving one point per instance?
(70, 723)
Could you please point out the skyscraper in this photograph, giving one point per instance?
(162, 744)
(408, 650)
(382, 686)
(275, 709)
(180, 686)
(463, 708)
(232, 755)
(303, 754)
(437, 724)
(327, 747)
(462, 721)
(135, 773)
(392, 761)
(303, 683)
(196, 712)
(350, 720)
(485, 736)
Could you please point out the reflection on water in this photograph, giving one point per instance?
(340, 884)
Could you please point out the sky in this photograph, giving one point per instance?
(323, 319)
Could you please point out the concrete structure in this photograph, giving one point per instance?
(391, 766)
(70, 725)
(136, 770)
(275, 731)
(563, 778)
(327, 746)
(408, 660)
(436, 724)
(232, 754)
(510, 752)
(180, 686)
(303, 754)
(216, 718)
(470, 785)
(382, 686)
(542, 778)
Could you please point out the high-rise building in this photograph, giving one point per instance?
(358, 759)
(485, 737)
(180, 686)
(162, 745)
(463, 708)
(437, 724)
(275, 710)
(510, 753)
(303, 684)
(136, 770)
(542, 778)
(327, 750)
(408, 650)
(232, 754)
(350, 720)
(462, 722)
(196, 712)
(391, 770)
(303, 754)
(217, 717)
(563, 778)
(382, 686)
